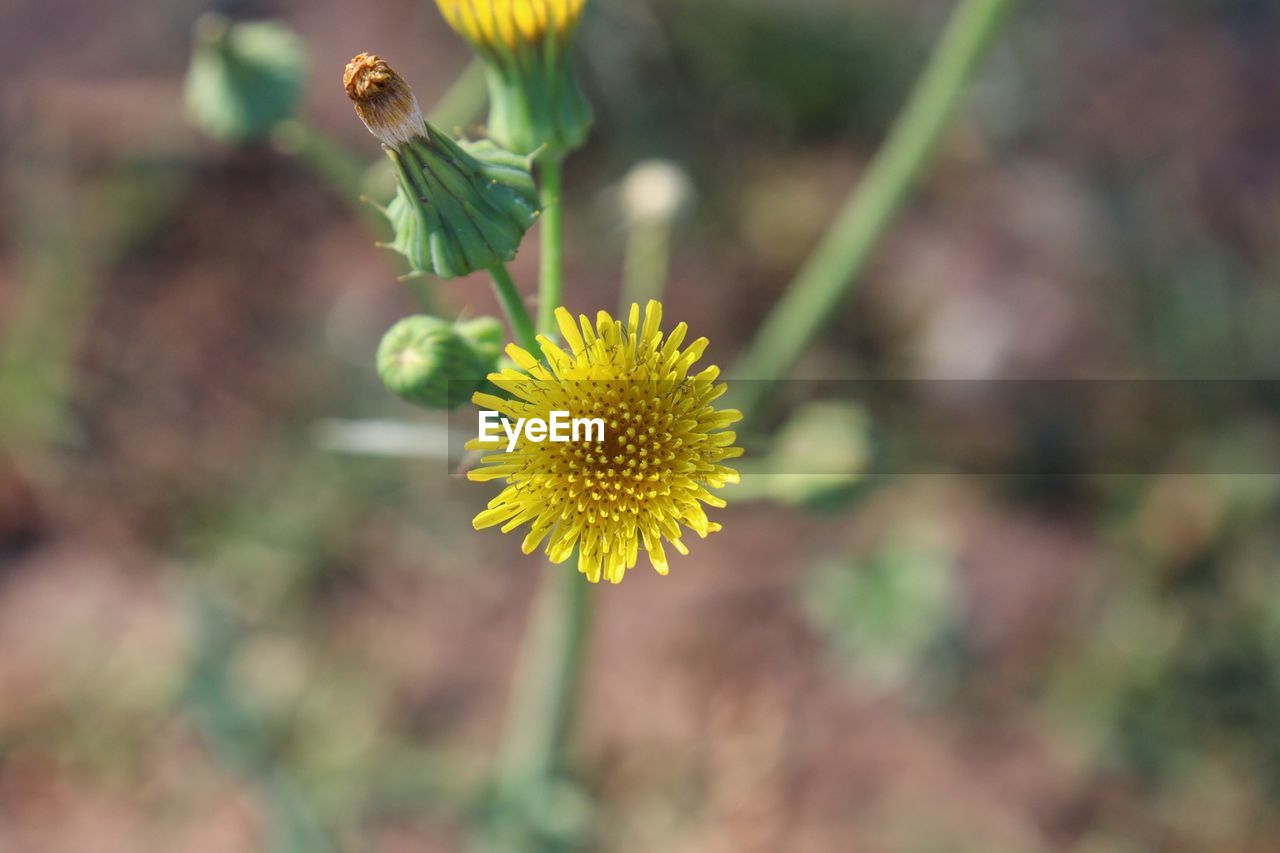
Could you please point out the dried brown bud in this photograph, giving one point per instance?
(383, 100)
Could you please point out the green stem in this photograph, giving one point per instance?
(344, 171)
(348, 175)
(551, 279)
(464, 99)
(513, 305)
(825, 281)
(540, 709)
(647, 263)
(546, 685)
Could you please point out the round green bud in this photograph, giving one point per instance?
(486, 336)
(244, 78)
(426, 361)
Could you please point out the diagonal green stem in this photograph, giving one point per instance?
(464, 99)
(343, 170)
(551, 279)
(513, 305)
(829, 275)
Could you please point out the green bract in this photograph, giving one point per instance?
(460, 207)
(244, 79)
(535, 101)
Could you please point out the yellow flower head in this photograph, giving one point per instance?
(497, 24)
(663, 446)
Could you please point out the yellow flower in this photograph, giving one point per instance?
(663, 446)
(534, 99)
(493, 24)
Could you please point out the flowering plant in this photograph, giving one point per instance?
(666, 449)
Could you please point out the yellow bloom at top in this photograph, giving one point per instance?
(510, 23)
(535, 102)
(663, 446)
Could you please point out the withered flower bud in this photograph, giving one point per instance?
(383, 100)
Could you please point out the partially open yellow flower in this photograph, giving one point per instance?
(663, 445)
(534, 100)
(489, 24)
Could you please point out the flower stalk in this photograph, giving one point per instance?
(826, 280)
(654, 195)
(513, 306)
(551, 260)
(547, 680)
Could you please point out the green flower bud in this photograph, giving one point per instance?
(534, 98)
(486, 336)
(244, 79)
(426, 361)
(459, 207)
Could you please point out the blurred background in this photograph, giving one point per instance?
(223, 629)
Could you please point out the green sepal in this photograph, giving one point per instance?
(535, 101)
(459, 207)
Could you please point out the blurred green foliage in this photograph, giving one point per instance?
(835, 69)
(245, 78)
(893, 615)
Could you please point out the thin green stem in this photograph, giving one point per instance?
(513, 305)
(464, 99)
(540, 709)
(348, 175)
(546, 685)
(826, 280)
(344, 171)
(647, 263)
(551, 279)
